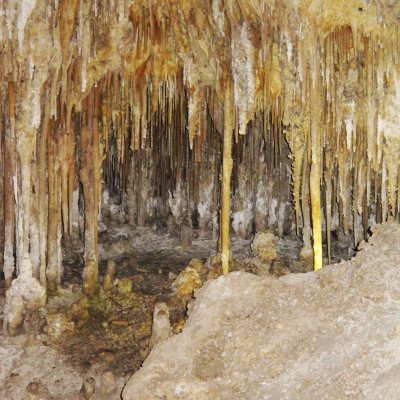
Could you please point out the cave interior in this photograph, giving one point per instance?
(147, 147)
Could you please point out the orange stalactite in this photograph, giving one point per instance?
(88, 173)
(53, 269)
(43, 189)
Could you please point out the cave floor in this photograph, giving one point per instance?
(74, 337)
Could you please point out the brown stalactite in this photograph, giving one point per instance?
(66, 148)
(87, 173)
(43, 190)
(71, 178)
(315, 172)
(53, 271)
(34, 237)
(97, 161)
(68, 11)
(9, 171)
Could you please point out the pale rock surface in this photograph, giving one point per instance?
(29, 369)
(333, 334)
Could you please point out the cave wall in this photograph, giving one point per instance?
(138, 96)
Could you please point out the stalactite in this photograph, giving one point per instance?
(42, 190)
(306, 252)
(54, 261)
(226, 178)
(315, 172)
(9, 169)
(328, 201)
(34, 241)
(68, 13)
(87, 173)
(297, 151)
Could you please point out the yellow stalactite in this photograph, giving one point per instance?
(315, 172)
(226, 177)
(315, 195)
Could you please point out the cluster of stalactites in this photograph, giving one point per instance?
(331, 83)
(86, 84)
(346, 122)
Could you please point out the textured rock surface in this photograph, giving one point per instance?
(28, 368)
(333, 334)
